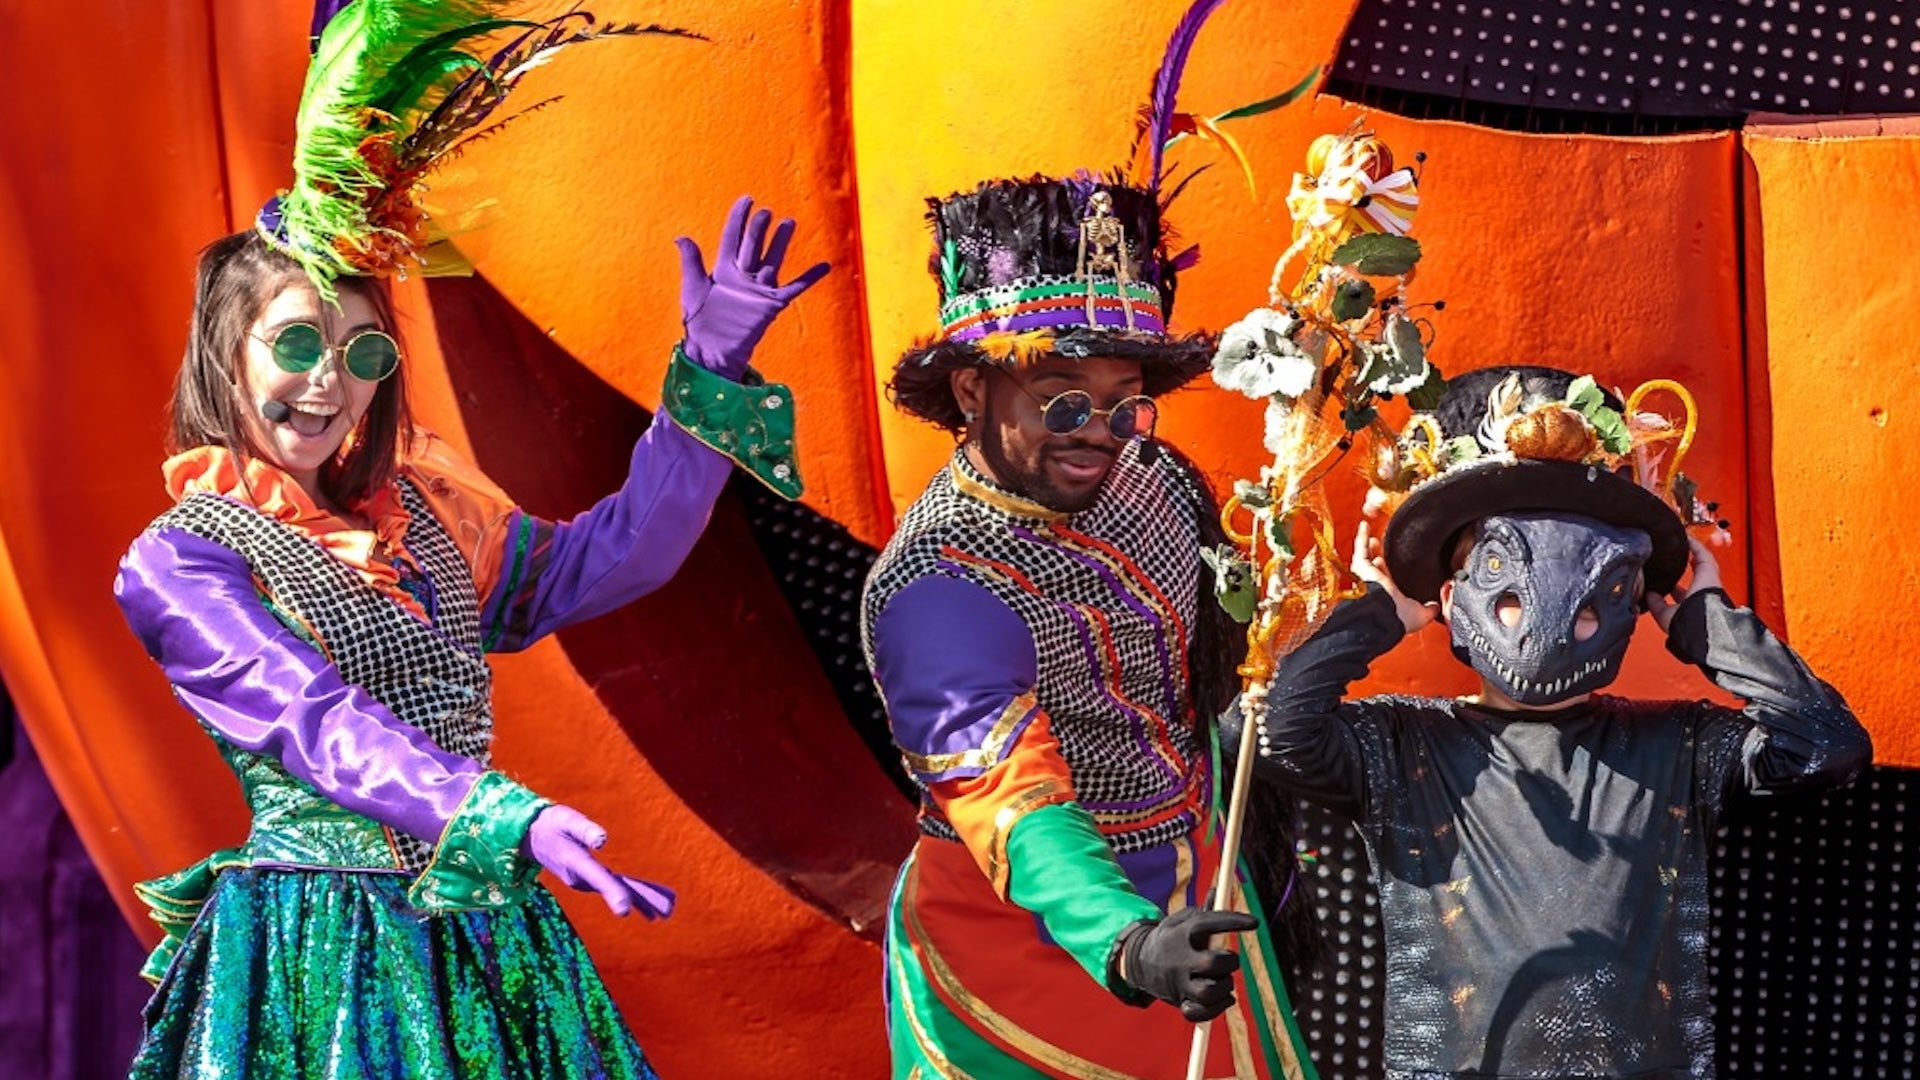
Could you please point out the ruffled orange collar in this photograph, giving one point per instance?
(368, 544)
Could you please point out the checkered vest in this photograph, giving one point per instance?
(433, 676)
(1109, 596)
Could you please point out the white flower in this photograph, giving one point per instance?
(1259, 358)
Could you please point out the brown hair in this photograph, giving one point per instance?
(236, 278)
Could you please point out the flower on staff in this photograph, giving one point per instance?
(1259, 356)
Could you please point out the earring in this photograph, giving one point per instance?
(967, 415)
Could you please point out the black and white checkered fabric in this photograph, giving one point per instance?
(1124, 719)
(433, 677)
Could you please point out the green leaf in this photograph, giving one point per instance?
(1232, 581)
(1613, 430)
(1378, 254)
(1280, 531)
(1458, 449)
(1353, 299)
(1398, 364)
(1290, 94)
(1355, 419)
(1584, 395)
(1685, 491)
(1426, 396)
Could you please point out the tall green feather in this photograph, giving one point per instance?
(366, 42)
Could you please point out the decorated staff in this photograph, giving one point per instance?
(1329, 346)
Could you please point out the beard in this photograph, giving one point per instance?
(1033, 480)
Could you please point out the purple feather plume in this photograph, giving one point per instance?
(1166, 84)
(323, 13)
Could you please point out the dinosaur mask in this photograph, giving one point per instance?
(1553, 566)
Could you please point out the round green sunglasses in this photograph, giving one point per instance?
(370, 355)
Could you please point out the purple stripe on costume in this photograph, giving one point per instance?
(1145, 318)
(1154, 871)
(1169, 689)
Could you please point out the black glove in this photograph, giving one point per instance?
(1171, 960)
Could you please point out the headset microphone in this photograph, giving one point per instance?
(276, 411)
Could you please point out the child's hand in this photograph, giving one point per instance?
(1706, 575)
(1370, 565)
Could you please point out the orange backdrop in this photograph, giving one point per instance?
(1741, 263)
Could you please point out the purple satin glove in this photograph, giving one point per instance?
(727, 312)
(563, 840)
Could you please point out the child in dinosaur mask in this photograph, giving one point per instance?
(1541, 849)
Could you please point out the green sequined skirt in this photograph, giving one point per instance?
(331, 975)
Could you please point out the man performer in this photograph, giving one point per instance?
(1043, 635)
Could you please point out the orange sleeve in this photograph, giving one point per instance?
(984, 808)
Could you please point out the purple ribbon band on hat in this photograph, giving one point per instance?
(1145, 318)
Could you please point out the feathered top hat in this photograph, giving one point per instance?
(1076, 267)
(1030, 268)
(394, 90)
(1520, 438)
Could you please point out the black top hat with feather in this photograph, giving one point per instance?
(1528, 438)
(1076, 267)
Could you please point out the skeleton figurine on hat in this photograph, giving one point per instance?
(1541, 848)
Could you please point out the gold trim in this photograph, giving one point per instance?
(1258, 969)
(1006, 1030)
(1045, 793)
(928, 1048)
(998, 499)
(987, 753)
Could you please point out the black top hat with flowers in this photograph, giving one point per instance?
(1074, 267)
(1523, 438)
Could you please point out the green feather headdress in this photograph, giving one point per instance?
(395, 89)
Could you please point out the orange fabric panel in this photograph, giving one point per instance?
(111, 183)
(1830, 280)
(656, 138)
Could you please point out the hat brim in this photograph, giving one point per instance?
(920, 384)
(1419, 541)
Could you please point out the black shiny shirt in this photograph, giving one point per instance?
(1543, 874)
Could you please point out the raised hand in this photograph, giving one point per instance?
(1174, 960)
(1706, 575)
(563, 840)
(727, 311)
(1370, 566)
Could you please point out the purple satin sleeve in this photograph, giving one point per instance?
(622, 548)
(957, 669)
(193, 605)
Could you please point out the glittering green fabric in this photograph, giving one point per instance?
(331, 975)
(750, 421)
(477, 862)
(296, 825)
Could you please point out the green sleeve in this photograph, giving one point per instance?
(478, 863)
(1063, 870)
(750, 421)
